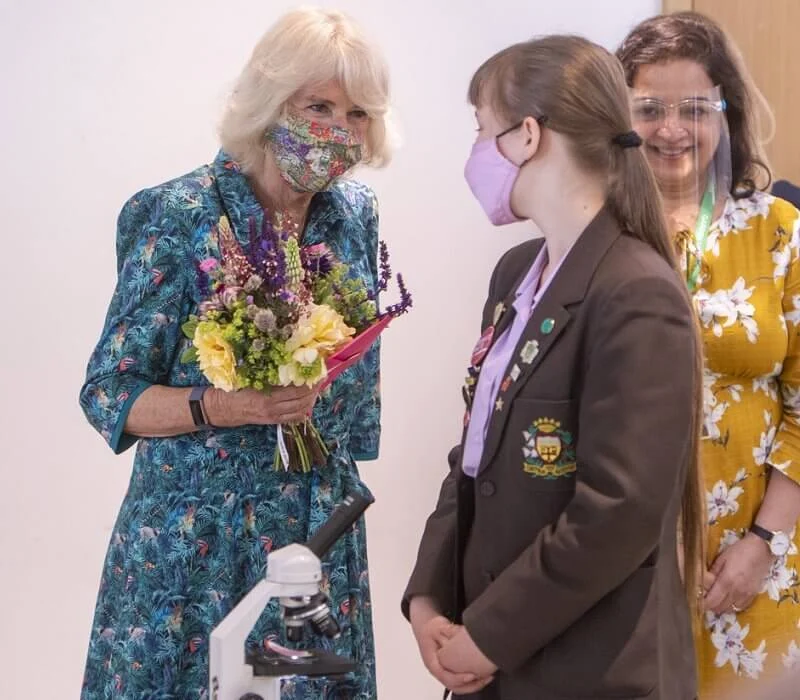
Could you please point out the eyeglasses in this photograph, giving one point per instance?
(691, 110)
(541, 121)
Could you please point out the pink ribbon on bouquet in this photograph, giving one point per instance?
(354, 350)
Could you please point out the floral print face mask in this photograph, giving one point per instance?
(309, 155)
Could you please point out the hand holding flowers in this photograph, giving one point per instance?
(276, 319)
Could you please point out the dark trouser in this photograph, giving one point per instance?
(490, 692)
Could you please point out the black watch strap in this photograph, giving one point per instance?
(762, 532)
(196, 407)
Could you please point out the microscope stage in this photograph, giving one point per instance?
(318, 663)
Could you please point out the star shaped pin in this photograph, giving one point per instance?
(498, 406)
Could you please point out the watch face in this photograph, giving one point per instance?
(780, 544)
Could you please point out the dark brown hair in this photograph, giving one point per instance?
(580, 89)
(693, 36)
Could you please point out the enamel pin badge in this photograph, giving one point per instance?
(499, 310)
(482, 346)
(529, 352)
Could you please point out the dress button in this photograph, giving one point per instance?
(487, 488)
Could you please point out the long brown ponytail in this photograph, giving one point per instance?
(634, 196)
(581, 89)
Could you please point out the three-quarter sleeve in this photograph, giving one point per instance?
(142, 330)
(785, 452)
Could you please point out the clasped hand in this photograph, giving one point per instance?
(452, 657)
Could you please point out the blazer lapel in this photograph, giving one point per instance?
(549, 320)
(504, 312)
(503, 315)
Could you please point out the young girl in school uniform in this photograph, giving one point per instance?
(549, 567)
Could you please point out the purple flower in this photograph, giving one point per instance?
(386, 270)
(405, 300)
(267, 255)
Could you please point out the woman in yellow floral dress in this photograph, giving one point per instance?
(694, 107)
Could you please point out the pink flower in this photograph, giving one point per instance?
(208, 264)
(230, 296)
(317, 249)
(212, 304)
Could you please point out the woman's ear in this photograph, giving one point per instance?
(532, 135)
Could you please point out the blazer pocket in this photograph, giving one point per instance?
(541, 443)
(610, 652)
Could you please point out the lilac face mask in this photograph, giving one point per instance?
(491, 177)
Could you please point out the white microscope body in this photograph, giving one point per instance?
(293, 575)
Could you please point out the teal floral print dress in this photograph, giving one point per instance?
(203, 510)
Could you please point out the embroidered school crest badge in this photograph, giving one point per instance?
(549, 451)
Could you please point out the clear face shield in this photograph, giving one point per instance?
(688, 147)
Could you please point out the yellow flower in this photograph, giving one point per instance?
(323, 329)
(318, 334)
(215, 356)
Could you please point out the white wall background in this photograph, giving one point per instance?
(101, 98)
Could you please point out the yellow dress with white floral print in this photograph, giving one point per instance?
(748, 301)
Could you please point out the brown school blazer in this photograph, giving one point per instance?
(560, 557)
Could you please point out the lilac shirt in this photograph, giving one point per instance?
(498, 359)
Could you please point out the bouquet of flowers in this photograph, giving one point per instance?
(285, 315)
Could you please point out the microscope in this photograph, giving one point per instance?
(293, 576)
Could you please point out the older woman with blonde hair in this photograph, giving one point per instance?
(204, 506)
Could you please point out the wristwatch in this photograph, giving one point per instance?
(778, 541)
(197, 408)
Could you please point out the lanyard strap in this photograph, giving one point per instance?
(701, 230)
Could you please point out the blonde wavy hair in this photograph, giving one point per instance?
(306, 47)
